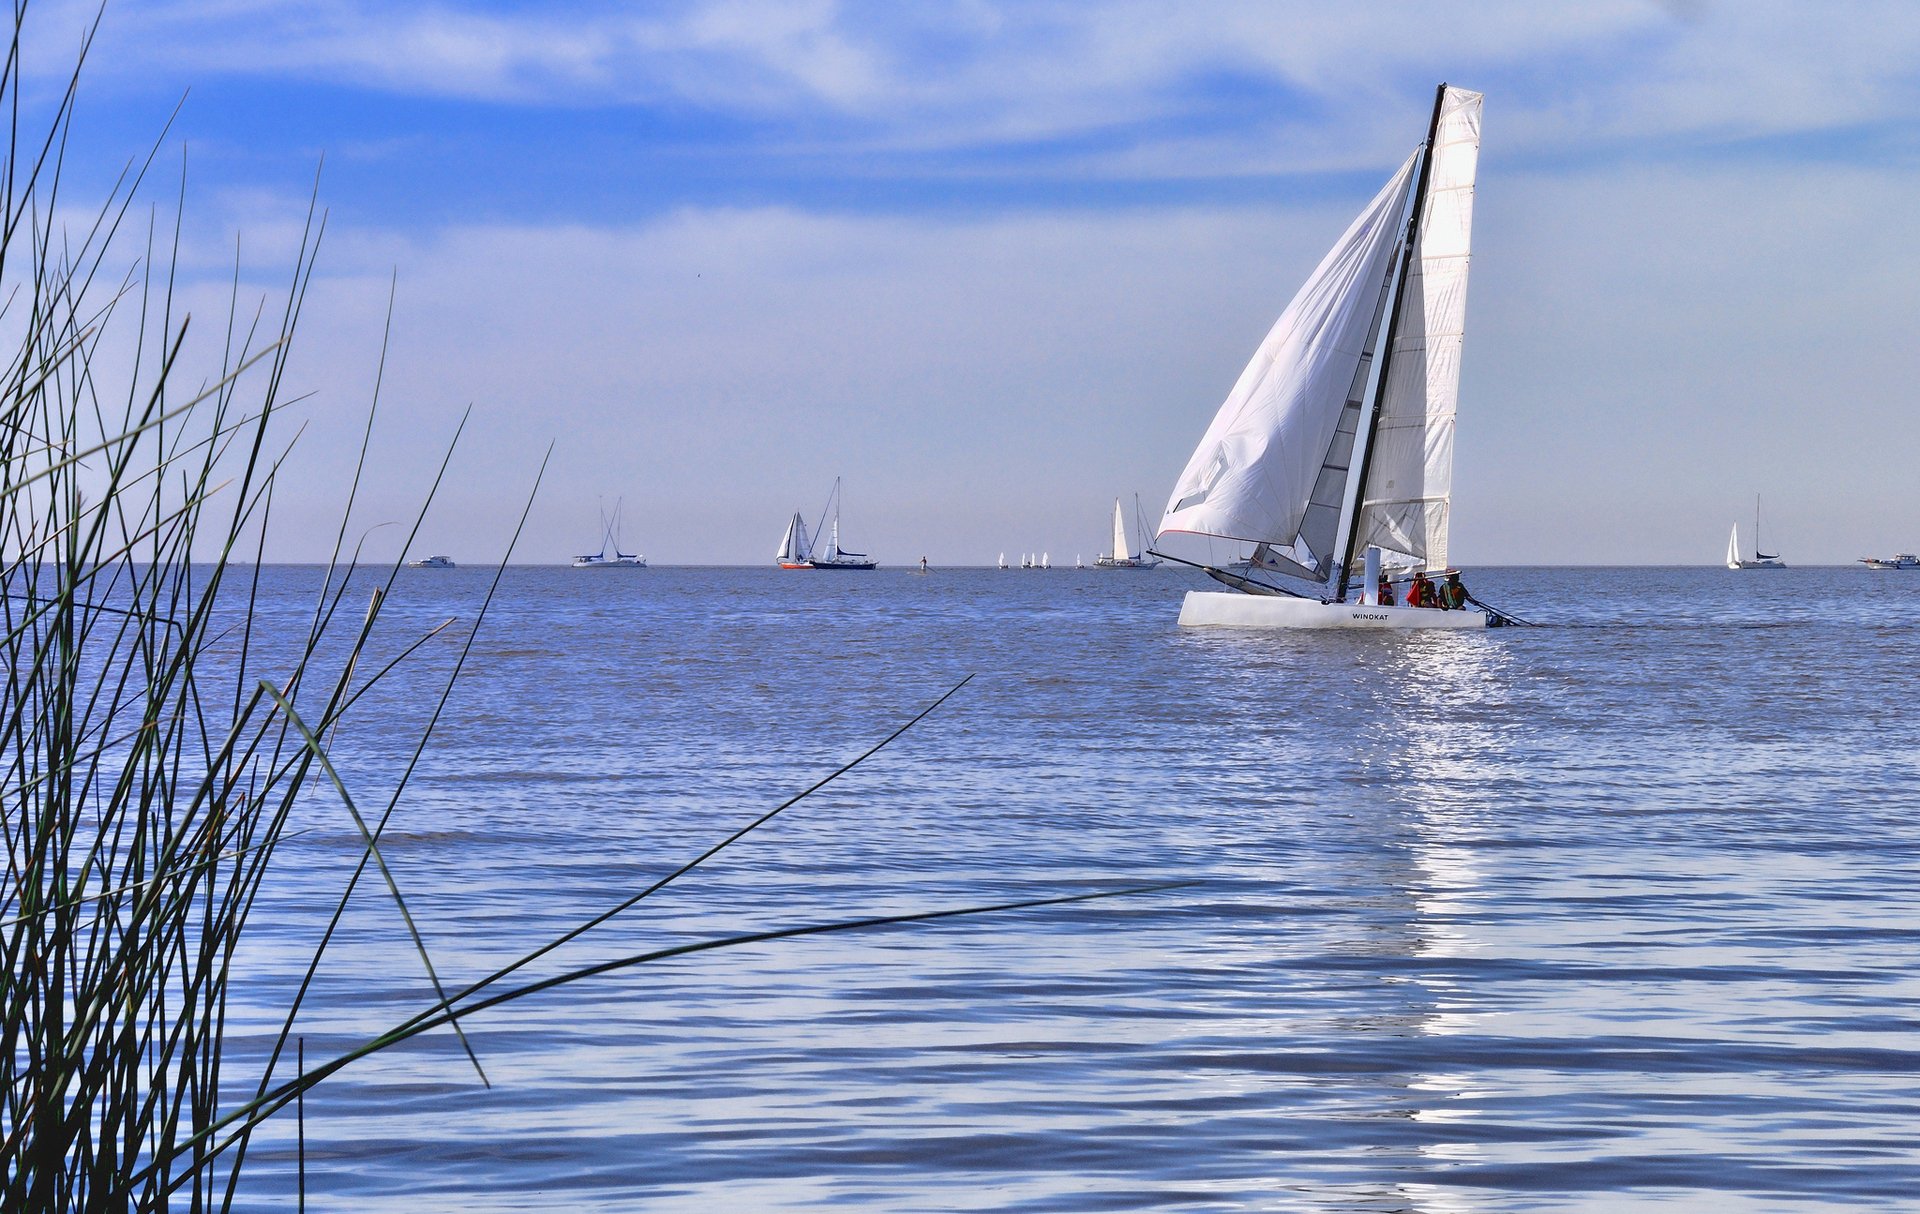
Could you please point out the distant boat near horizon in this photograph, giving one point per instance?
(1899, 560)
(796, 548)
(1124, 554)
(610, 538)
(432, 562)
(1761, 560)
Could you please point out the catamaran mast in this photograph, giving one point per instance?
(1343, 558)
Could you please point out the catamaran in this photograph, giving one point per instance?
(1761, 560)
(1124, 555)
(1336, 443)
(796, 550)
(610, 538)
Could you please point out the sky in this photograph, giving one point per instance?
(997, 264)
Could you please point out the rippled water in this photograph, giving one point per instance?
(1613, 914)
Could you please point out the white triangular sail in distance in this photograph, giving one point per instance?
(1122, 550)
(1733, 548)
(1409, 488)
(795, 546)
(1281, 440)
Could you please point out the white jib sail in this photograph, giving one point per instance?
(1733, 548)
(794, 546)
(1409, 489)
(1122, 551)
(1254, 472)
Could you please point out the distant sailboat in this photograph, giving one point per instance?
(1124, 555)
(796, 552)
(1761, 560)
(1334, 451)
(796, 549)
(1003, 560)
(610, 538)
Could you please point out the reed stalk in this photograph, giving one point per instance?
(154, 742)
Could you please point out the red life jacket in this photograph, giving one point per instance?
(1416, 593)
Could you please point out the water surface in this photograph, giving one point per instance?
(1612, 914)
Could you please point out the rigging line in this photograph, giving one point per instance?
(1221, 575)
(1505, 616)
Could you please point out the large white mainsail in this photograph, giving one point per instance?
(1279, 444)
(1122, 550)
(1409, 484)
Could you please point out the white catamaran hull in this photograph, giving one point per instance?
(1216, 609)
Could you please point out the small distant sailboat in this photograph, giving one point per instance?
(432, 562)
(1761, 560)
(1124, 555)
(1003, 560)
(610, 538)
(1333, 453)
(796, 550)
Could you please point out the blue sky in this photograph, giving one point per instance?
(996, 264)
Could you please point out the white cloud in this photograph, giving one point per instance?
(1647, 349)
(982, 75)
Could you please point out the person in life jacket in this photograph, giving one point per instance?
(1384, 595)
(1420, 593)
(1453, 594)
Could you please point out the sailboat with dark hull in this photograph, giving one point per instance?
(1761, 560)
(1334, 451)
(797, 551)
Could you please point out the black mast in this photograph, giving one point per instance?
(1386, 344)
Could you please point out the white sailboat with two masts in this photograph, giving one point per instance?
(1335, 447)
(610, 538)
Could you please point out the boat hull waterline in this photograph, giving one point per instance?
(1222, 609)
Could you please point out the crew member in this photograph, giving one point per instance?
(1420, 593)
(1453, 594)
(1384, 595)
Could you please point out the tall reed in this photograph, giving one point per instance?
(153, 750)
